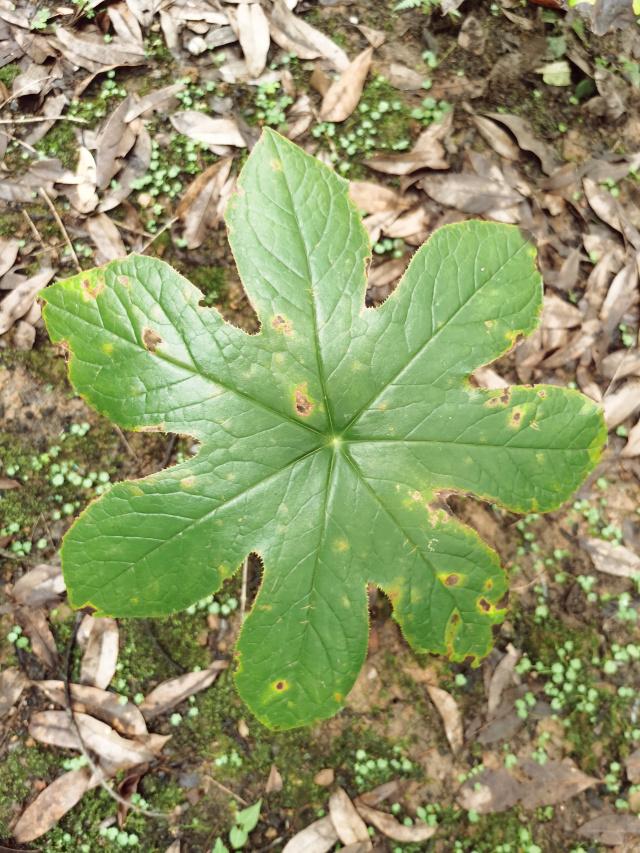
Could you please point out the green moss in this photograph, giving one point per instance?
(61, 142)
(381, 122)
(211, 280)
(9, 73)
(10, 225)
(42, 364)
(19, 769)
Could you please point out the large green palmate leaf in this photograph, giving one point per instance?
(324, 439)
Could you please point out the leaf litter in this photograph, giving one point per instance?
(606, 301)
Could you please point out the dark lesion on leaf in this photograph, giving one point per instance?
(502, 399)
(151, 339)
(483, 604)
(451, 580)
(281, 324)
(91, 291)
(304, 406)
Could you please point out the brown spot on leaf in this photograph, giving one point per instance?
(483, 604)
(451, 580)
(151, 339)
(542, 393)
(303, 404)
(281, 324)
(124, 280)
(91, 291)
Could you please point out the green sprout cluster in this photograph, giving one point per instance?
(17, 638)
(369, 771)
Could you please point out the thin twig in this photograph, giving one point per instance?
(34, 230)
(38, 119)
(126, 444)
(243, 591)
(169, 451)
(19, 141)
(60, 224)
(166, 225)
(225, 789)
(95, 769)
(140, 232)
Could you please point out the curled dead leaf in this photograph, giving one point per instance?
(170, 693)
(343, 95)
(319, 837)
(124, 717)
(52, 804)
(392, 828)
(348, 823)
(100, 657)
(448, 709)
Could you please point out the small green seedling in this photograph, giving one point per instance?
(325, 439)
(245, 822)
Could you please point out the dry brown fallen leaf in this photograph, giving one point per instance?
(557, 313)
(448, 709)
(198, 207)
(124, 717)
(36, 627)
(253, 35)
(116, 752)
(427, 153)
(612, 559)
(325, 777)
(52, 804)
(40, 586)
(274, 782)
(100, 656)
(343, 95)
(621, 296)
(622, 403)
(632, 447)
(497, 138)
(158, 98)
(472, 35)
(527, 140)
(603, 204)
(215, 132)
(501, 678)
(612, 829)
(7, 483)
(113, 141)
(392, 828)
(90, 52)
(135, 165)
(292, 33)
(470, 193)
(19, 300)
(319, 837)
(83, 195)
(530, 784)
(12, 683)
(9, 248)
(349, 825)
(106, 237)
(632, 766)
(170, 693)
(375, 198)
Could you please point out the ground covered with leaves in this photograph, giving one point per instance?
(123, 128)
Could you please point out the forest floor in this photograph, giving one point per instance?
(523, 116)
